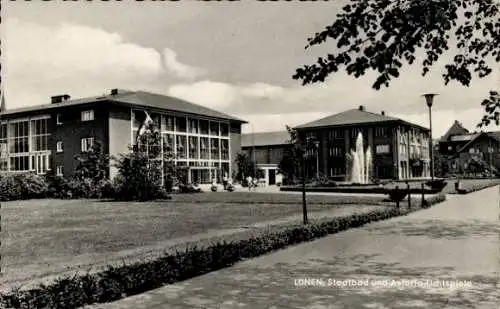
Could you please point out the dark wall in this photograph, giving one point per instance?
(72, 130)
(235, 144)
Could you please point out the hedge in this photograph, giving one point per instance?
(360, 189)
(130, 279)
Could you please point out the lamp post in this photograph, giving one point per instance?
(429, 99)
(316, 144)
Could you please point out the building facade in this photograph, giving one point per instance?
(397, 149)
(469, 152)
(266, 149)
(47, 137)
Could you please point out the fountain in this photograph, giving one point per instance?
(361, 162)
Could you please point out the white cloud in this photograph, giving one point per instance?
(44, 60)
(180, 69)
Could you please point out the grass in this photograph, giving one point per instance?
(44, 237)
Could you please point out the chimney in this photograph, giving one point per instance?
(383, 113)
(59, 98)
(361, 108)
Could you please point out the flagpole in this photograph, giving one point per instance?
(253, 151)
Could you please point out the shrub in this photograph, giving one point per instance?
(436, 184)
(213, 188)
(17, 186)
(397, 195)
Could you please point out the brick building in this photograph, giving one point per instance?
(399, 149)
(39, 138)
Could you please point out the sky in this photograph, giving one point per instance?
(235, 57)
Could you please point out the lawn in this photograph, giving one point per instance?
(44, 237)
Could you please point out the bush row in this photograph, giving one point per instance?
(22, 186)
(361, 189)
(119, 282)
(19, 186)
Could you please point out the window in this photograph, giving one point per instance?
(382, 149)
(180, 124)
(214, 148)
(181, 146)
(380, 131)
(204, 148)
(59, 171)
(224, 146)
(88, 115)
(59, 147)
(224, 129)
(20, 163)
(337, 134)
(59, 119)
(204, 127)
(214, 128)
(335, 151)
(168, 143)
(193, 126)
(87, 143)
(193, 147)
(39, 134)
(167, 123)
(19, 137)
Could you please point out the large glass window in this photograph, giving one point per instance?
(3, 147)
(181, 146)
(214, 148)
(204, 127)
(193, 126)
(167, 123)
(168, 143)
(204, 148)
(193, 147)
(40, 134)
(20, 163)
(224, 129)
(19, 137)
(224, 146)
(214, 128)
(180, 124)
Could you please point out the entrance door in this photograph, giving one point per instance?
(272, 176)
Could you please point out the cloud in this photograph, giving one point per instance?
(43, 60)
(178, 68)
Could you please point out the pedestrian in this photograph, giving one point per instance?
(249, 183)
(225, 181)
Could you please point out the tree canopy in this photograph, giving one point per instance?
(385, 35)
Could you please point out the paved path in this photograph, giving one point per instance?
(456, 241)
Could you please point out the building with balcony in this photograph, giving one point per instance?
(266, 149)
(398, 149)
(47, 137)
(465, 151)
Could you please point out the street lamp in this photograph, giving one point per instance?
(316, 144)
(429, 99)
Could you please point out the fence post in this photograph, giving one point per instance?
(396, 194)
(423, 195)
(409, 194)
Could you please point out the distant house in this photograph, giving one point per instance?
(267, 150)
(470, 151)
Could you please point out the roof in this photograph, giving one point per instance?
(456, 129)
(264, 139)
(495, 135)
(137, 98)
(471, 142)
(351, 117)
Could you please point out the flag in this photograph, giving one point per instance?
(146, 125)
